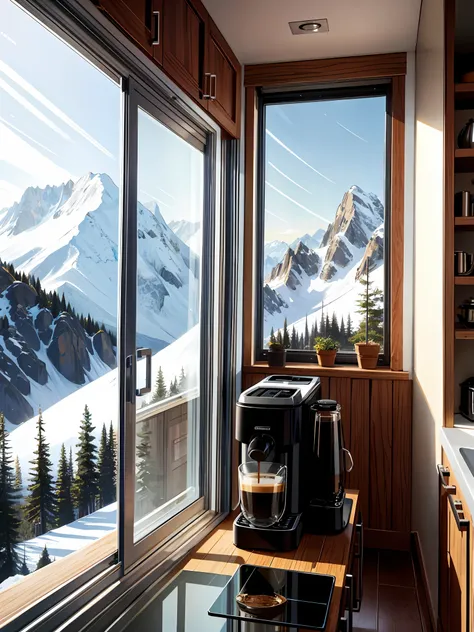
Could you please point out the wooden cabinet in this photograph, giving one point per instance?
(224, 77)
(140, 19)
(184, 45)
(181, 37)
(455, 560)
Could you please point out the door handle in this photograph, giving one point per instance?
(443, 473)
(145, 353)
(130, 379)
(207, 86)
(156, 36)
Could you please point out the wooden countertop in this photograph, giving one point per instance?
(316, 554)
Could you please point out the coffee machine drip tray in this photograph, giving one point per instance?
(282, 536)
(303, 598)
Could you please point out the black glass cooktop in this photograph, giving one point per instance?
(308, 596)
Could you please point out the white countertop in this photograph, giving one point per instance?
(452, 439)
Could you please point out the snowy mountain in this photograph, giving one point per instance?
(273, 254)
(306, 279)
(312, 241)
(68, 237)
(188, 232)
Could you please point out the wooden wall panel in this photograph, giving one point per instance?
(377, 423)
(359, 443)
(380, 473)
(401, 478)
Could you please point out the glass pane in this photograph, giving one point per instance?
(324, 221)
(60, 120)
(170, 211)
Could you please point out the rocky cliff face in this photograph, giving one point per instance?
(37, 350)
(374, 250)
(295, 263)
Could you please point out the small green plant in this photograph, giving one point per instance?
(326, 344)
(275, 345)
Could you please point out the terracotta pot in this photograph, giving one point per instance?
(326, 358)
(367, 355)
(277, 358)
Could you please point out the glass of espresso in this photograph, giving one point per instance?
(262, 488)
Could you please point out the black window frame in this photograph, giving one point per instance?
(80, 24)
(382, 88)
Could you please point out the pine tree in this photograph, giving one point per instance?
(322, 323)
(294, 339)
(85, 486)
(174, 388)
(327, 326)
(55, 304)
(64, 504)
(71, 465)
(334, 327)
(370, 305)
(40, 504)
(63, 303)
(24, 570)
(44, 560)
(113, 452)
(9, 523)
(160, 387)
(279, 337)
(106, 468)
(342, 332)
(349, 330)
(18, 476)
(286, 337)
(148, 478)
(306, 333)
(272, 335)
(183, 385)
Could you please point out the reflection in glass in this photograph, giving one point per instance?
(170, 209)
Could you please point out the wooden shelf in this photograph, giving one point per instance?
(464, 334)
(464, 96)
(466, 223)
(464, 160)
(464, 280)
(341, 370)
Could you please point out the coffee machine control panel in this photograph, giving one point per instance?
(280, 391)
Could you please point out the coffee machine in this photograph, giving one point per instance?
(327, 462)
(271, 416)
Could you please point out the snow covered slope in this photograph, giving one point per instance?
(307, 278)
(188, 232)
(68, 237)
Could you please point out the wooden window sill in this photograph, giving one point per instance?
(342, 370)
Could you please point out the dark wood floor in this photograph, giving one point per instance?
(390, 601)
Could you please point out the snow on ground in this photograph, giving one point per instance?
(62, 420)
(65, 540)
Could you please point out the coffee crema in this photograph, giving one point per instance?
(262, 501)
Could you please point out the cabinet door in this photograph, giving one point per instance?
(134, 17)
(443, 602)
(459, 595)
(184, 54)
(224, 82)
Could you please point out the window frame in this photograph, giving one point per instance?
(311, 94)
(81, 25)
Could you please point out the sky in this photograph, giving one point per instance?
(60, 117)
(315, 151)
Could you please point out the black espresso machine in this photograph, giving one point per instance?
(283, 420)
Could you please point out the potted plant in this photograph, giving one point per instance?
(326, 350)
(276, 350)
(367, 340)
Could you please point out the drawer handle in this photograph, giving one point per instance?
(443, 473)
(456, 507)
(156, 38)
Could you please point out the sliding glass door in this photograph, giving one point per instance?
(164, 425)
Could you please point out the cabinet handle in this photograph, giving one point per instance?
(213, 92)
(207, 86)
(456, 508)
(359, 555)
(350, 601)
(443, 473)
(156, 38)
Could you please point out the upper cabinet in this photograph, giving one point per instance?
(181, 37)
(184, 44)
(140, 19)
(224, 76)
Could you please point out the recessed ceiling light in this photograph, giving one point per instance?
(306, 27)
(310, 26)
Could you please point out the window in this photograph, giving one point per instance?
(323, 219)
(109, 224)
